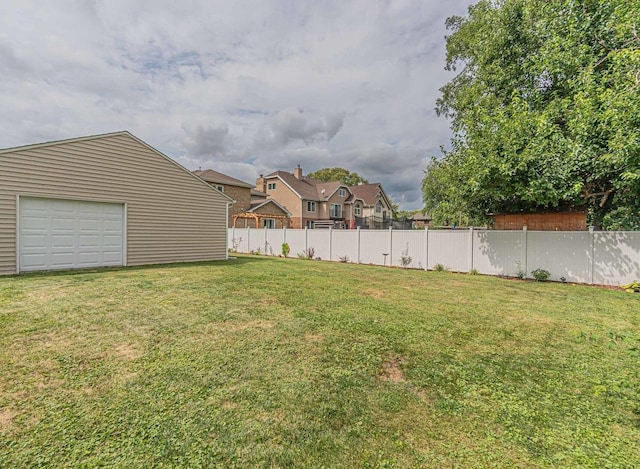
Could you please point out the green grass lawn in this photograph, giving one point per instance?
(284, 362)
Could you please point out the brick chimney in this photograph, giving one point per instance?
(297, 172)
(261, 184)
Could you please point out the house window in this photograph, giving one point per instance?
(342, 192)
(311, 206)
(336, 211)
(310, 224)
(220, 188)
(378, 207)
(271, 186)
(357, 210)
(268, 223)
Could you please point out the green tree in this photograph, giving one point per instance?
(545, 111)
(338, 174)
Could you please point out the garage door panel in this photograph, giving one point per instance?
(60, 223)
(37, 241)
(62, 240)
(61, 205)
(89, 241)
(112, 257)
(33, 261)
(62, 260)
(89, 224)
(89, 258)
(34, 223)
(111, 241)
(112, 226)
(63, 234)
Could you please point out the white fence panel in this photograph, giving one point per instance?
(297, 242)
(319, 240)
(616, 257)
(257, 241)
(499, 252)
(373, 244)
(606, 258)
(344, 243)
(563, 253)
(449, 248)
(411, 242)
(238, 239)
(274, 240)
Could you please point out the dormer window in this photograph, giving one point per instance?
(378, 207)
(342, 192)
(271, 186)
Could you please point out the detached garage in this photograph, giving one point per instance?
(105, 200)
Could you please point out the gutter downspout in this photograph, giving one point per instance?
(226, 238)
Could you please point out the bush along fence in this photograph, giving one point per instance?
(593, 257)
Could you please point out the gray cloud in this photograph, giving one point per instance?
(245, 87)
(205, 141)
(291, 126)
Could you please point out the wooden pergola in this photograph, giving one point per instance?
(258, 217)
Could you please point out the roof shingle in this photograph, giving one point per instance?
(210, 175)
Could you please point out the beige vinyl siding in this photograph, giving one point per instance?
(172, 216)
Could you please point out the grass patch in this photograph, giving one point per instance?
(279, 362)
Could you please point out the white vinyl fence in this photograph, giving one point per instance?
(602, 258)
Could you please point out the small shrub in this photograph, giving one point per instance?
(343, 259)
(285, 249)
(235, 243)
(520, 273)
(540, 275)
(439, 268)
(474, 272)
(308, 253)
(563, 279)
(405, 258)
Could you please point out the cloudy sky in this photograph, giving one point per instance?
(243, 87)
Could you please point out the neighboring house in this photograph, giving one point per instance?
(420, 220)
(314, 204)
(377, 209)
(238, 190)
(104, 200)
(264, 213)
(249, 209)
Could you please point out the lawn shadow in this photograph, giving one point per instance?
(231, 262)
(601, 258)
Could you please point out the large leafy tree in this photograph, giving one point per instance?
(338, 174)
(545, 111)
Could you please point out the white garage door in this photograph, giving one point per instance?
(67, 234)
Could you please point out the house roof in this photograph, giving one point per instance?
(111, 134)
(257, 193)
(310, 188)
(256, 205)
(305, 187)
(210, 175)
(369, 193)
(420, 217)
(327, 189)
